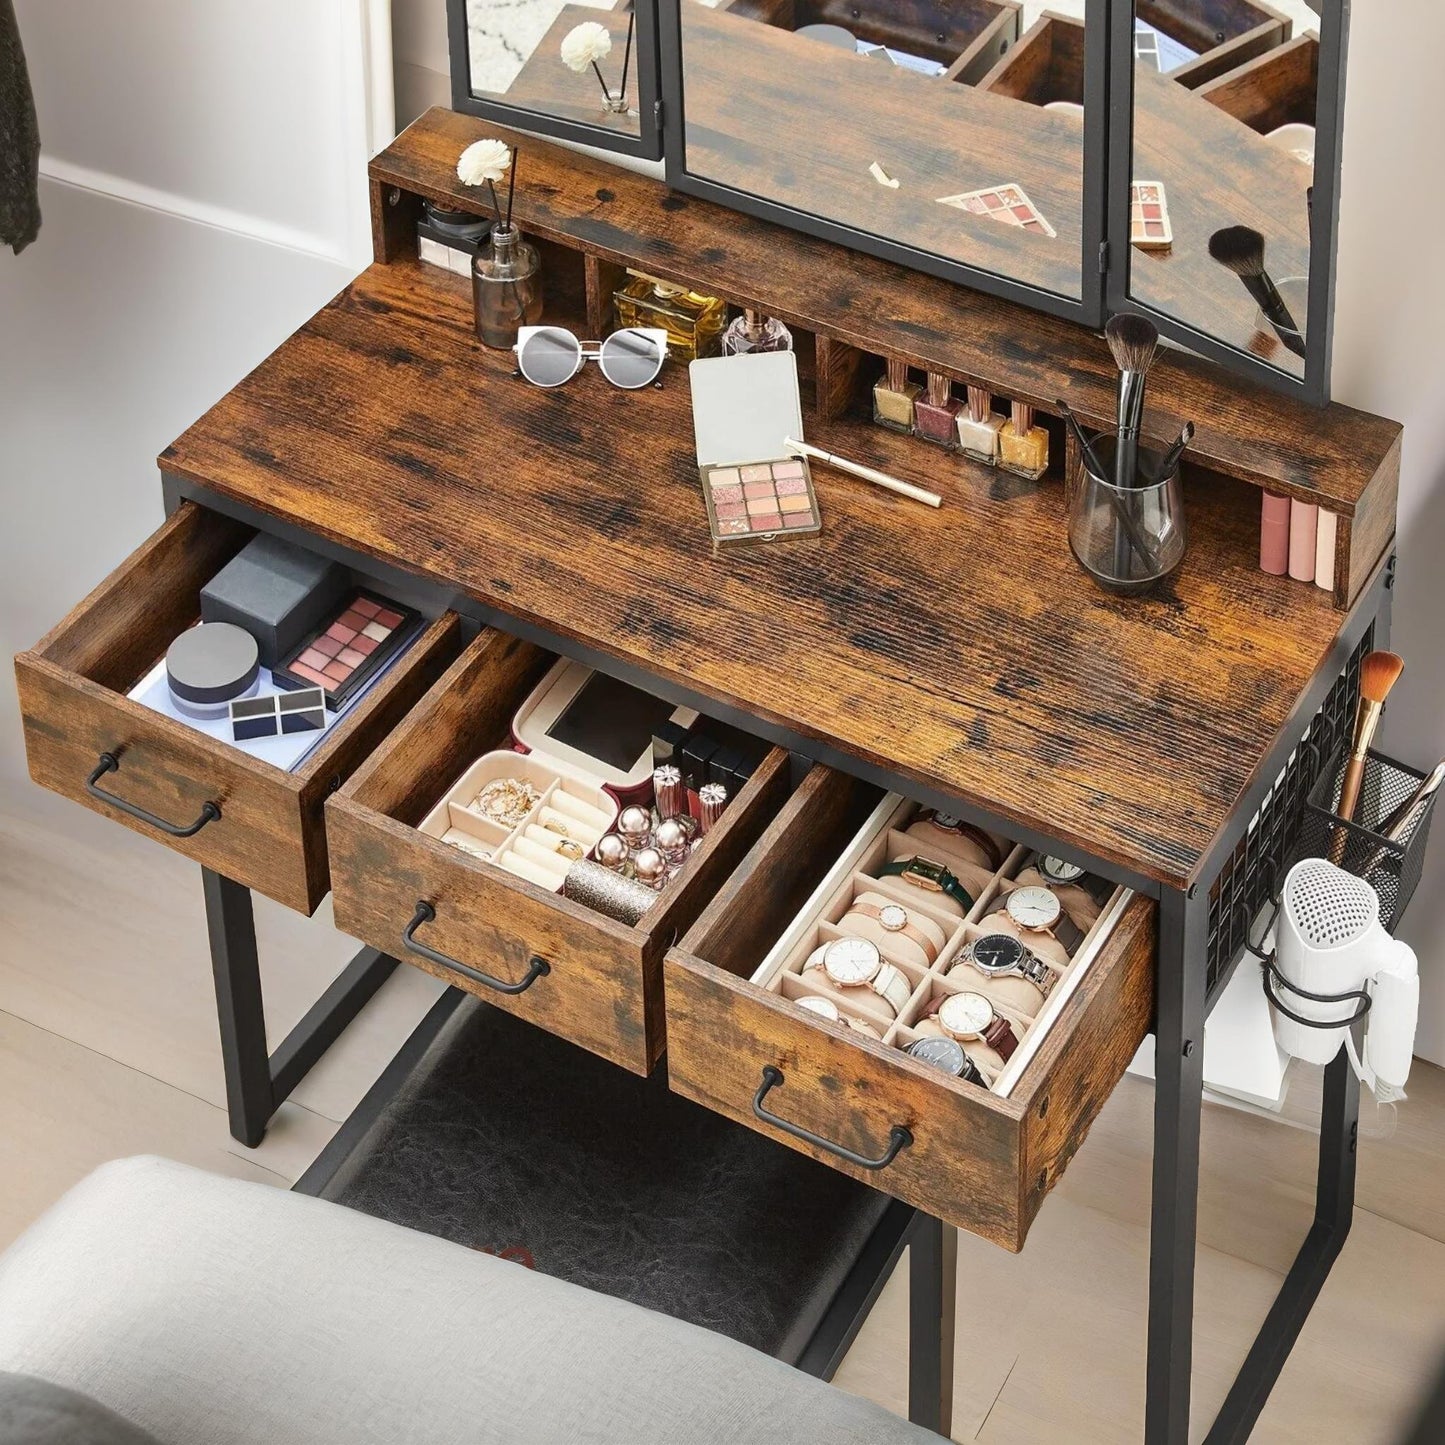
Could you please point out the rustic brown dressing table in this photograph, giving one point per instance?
(959, 656)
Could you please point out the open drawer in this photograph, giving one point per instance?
(966, 1154)
(233, 813)
(570, 970)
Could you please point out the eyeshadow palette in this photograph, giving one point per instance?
(1007, 203)
(362, 638)
(1149, 227)
(277, 713)
(760, 500)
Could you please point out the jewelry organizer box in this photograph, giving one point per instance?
(880, 840)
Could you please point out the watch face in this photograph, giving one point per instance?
(945, 1054)
(965, 1015)
(1036, 908)
(823, 1007)
(1057, 870)
(998, 952)
(851, 962)
(893, 917)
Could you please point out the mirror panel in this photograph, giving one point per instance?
(944, 128)
(1226, 94)
(582, 69)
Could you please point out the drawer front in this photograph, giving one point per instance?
(229, 811)
(568, 969)
(971, 1157)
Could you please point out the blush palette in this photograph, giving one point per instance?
(1149, 227)
(1007, 203)
(760, 500)
(361, 639)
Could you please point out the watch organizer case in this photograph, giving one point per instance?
(883, 839)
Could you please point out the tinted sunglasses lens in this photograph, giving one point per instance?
(548, 358)
(630, 359)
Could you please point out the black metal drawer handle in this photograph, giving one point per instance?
(109, 763)
(899, 1138)
(424, 914)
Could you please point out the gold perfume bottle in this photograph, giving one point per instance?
(693, 322)
(894, 397)
(1023, 447)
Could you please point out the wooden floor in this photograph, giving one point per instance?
(108, 1047)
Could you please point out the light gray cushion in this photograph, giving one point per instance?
(206, 1309)
(35, 1412)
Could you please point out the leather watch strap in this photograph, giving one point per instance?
(924, 873)
(1000, 1037)
(909, 930)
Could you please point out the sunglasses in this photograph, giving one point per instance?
(550, 356)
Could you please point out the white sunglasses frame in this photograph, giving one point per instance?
(591, 351)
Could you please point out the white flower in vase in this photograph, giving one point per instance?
(585, 45)
(483, 163)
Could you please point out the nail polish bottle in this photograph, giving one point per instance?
(1023, 448)
(894, 397)
(979, 426)
(935, 416)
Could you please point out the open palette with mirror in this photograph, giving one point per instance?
(888, 908)
(527, 815)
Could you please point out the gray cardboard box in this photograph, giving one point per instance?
(277, 591)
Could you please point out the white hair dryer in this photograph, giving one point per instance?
(1330, 941)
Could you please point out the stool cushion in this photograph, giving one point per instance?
(204, 1308)
(35, 1412)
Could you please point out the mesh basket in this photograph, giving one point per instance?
(1391, 869)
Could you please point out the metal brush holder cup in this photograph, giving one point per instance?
(1391, 869)
(1128, 539)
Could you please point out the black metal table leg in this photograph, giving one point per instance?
(932, 1286)
(1334, 1212)
(1178, 1100)
(257, 1082)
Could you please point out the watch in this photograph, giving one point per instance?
(1063, 874)
(964, 1016)
(893, 918)
(1038, 910)
(1001, 955)
(857, 963)
(827, 1009)
(948, 1055)
(957, 828)
(930, 876)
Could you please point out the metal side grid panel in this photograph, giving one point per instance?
(1255, 870)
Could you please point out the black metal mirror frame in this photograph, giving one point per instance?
(1314, 385)
(1088, 307)
(647, 144)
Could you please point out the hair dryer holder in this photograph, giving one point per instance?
(1270, 977)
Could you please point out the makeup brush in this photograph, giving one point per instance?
(1171, 457)
(1091, 457)
(1394, 827)
(1241, 250)
(867, 474)
(1379, 672)
(1133, 340)
(1125, 517)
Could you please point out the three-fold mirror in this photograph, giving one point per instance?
(946, 134)
(1231, 158)
(582, 70)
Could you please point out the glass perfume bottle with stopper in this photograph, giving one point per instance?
(506, 288)
(752, 332)
(894, 397)
(935, 415)
(1023, 447)
(979, 426)
(693, 322)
